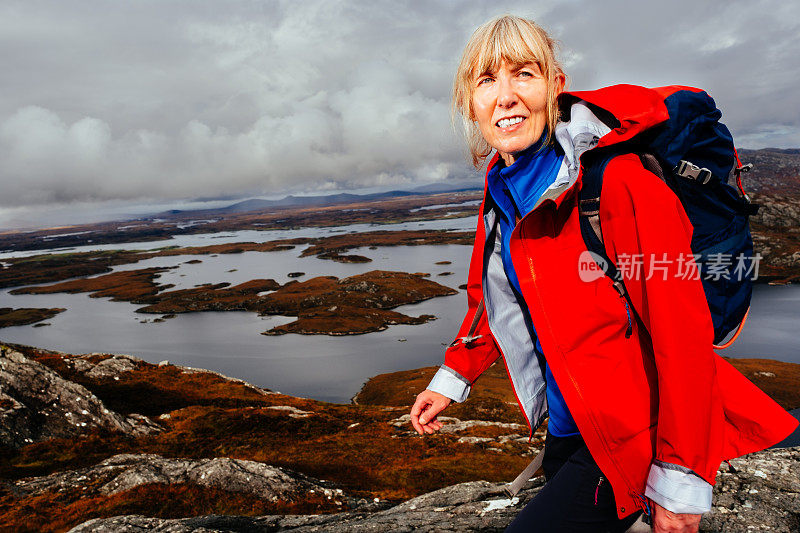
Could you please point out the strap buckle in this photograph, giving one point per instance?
(466, 341)
(692, 171)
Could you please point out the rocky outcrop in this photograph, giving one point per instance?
(763, 494)
(124, 472)
(472, 506)
(776, 236)
(37, 404)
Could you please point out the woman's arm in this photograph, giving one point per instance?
(644, 223)
(464, 362)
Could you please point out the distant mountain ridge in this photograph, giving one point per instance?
(259, 204)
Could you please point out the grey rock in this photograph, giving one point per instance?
(126, 471)
(777, 211)
(764, 494)
(37, 404)
(111, 367)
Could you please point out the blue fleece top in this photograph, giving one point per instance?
(515, 190)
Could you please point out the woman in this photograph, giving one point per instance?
(642, 411)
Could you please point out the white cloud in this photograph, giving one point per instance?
(194, 98)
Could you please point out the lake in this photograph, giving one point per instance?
(316, 366)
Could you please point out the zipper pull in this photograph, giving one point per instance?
(597, 490)
(647, 516)
(628, 331)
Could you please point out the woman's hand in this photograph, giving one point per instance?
(665, 521)
(423, 414)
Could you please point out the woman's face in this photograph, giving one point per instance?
(510, 106)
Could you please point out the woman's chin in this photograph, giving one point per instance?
(511, 149)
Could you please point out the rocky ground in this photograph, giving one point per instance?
(776, 236)
(104, 442)
(762, 495)
(193, 416)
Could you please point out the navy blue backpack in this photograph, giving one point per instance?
(693, 153)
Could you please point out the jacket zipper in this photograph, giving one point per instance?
(629, 329)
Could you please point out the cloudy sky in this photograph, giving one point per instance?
(103, 103)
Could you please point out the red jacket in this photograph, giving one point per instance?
(661, 394)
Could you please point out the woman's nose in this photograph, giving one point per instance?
(506, 96)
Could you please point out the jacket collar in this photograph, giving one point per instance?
(601, 118)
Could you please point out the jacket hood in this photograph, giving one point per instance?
(627, 109)
(671, 122)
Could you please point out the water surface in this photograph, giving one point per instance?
(319, 366)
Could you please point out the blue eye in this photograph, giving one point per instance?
(484, 80)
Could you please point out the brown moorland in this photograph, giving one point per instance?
(322, 305)
(26, 315)
(368, 448)
(122, 286)
(354, 305)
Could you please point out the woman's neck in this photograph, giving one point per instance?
(508, 159)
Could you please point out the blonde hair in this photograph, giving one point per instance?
(517, 41)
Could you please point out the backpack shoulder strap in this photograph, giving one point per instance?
(591, 227)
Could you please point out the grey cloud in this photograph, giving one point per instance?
(184, 99)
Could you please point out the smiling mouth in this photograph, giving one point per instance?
(507, 122)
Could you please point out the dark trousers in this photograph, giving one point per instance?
(577, 496)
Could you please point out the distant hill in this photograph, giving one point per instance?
(259, 204)
(306, 201)
(775, 170)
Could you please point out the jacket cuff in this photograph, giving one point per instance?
(450, 383)
(678, 489)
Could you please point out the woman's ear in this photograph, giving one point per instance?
(560, 82)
